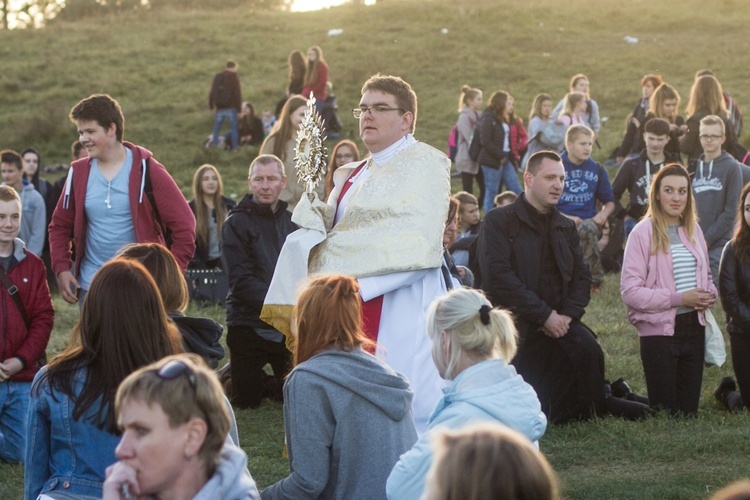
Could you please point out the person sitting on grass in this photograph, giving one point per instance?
(347, 415)
(472, 346)
(468, 227)
(174, 425)
(489, 461)
(72, 431)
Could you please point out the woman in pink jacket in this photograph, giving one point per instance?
(666, 284)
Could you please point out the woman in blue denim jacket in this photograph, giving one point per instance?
(71, 436)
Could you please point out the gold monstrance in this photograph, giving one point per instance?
(310, 153)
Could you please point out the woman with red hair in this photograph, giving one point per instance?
(347, 415)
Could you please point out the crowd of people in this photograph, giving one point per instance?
(428, 364)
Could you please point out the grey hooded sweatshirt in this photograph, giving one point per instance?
(348, 419)
(231, 479)
(717, 186)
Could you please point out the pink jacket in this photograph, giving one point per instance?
(67, 231)
(647, 280)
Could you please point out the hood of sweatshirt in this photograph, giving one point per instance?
(231, 479)
(494, 389)
(365, 376)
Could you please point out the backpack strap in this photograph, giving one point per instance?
(13, 291)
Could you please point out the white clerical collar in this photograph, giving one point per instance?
(381, 157)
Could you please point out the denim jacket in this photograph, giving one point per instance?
(61, 453)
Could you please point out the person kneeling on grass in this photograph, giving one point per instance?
(472, 346)
(174, 444)
(347, 414)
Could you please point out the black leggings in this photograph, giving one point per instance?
(740, 346)
(673, 366)
(467, 184)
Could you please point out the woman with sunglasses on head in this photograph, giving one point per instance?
(666, 284)
(347, 414)
(174, 424)
(71, 435)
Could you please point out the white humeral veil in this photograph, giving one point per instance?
(390, 238)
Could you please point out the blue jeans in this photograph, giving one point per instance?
(629, 225)
(14, 406)
(231, 115)
(494, 178)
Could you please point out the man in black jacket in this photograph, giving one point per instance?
(252, 237)
(531, 262)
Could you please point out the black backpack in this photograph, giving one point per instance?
(475, 147)
(222, 92)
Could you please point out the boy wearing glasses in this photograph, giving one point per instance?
(717, 184)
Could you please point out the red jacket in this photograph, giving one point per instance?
(67, 231)
(319, 87)
(518, 141)
(30, 276)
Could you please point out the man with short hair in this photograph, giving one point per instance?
(384, 225)
(586, 182)
(23, 333)
(252, 237)
(226, 97)
(34, 223)
(717, 185)
(636, 173)
(118, 194)
(531, 262)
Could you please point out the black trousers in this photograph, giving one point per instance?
(740, 346)
(248, 354)
(673, 366)
(566, 373)
(467, 184)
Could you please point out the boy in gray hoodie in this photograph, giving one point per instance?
(717, 184)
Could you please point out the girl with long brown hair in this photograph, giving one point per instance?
(340, 393)
(734, 289)
(210, 207)
(72, 429)
(316, 76)
(495, 151)
(706, 98)
(281, 142)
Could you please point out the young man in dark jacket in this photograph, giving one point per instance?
(252, 237)
(226, 97)
(23, 335)
(531, 262)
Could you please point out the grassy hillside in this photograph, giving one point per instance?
(159, 66)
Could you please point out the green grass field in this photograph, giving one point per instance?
(159, 66)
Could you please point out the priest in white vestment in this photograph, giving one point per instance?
(383, 224)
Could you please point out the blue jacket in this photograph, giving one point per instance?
(61, 453)
(584, 185)
(488, 391)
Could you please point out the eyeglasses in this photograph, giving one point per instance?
(374, 110)
(176, 368)
(710, 137)
(344, 157)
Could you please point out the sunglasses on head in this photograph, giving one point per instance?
(176, 368)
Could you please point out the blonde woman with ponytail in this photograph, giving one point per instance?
(472, 346)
